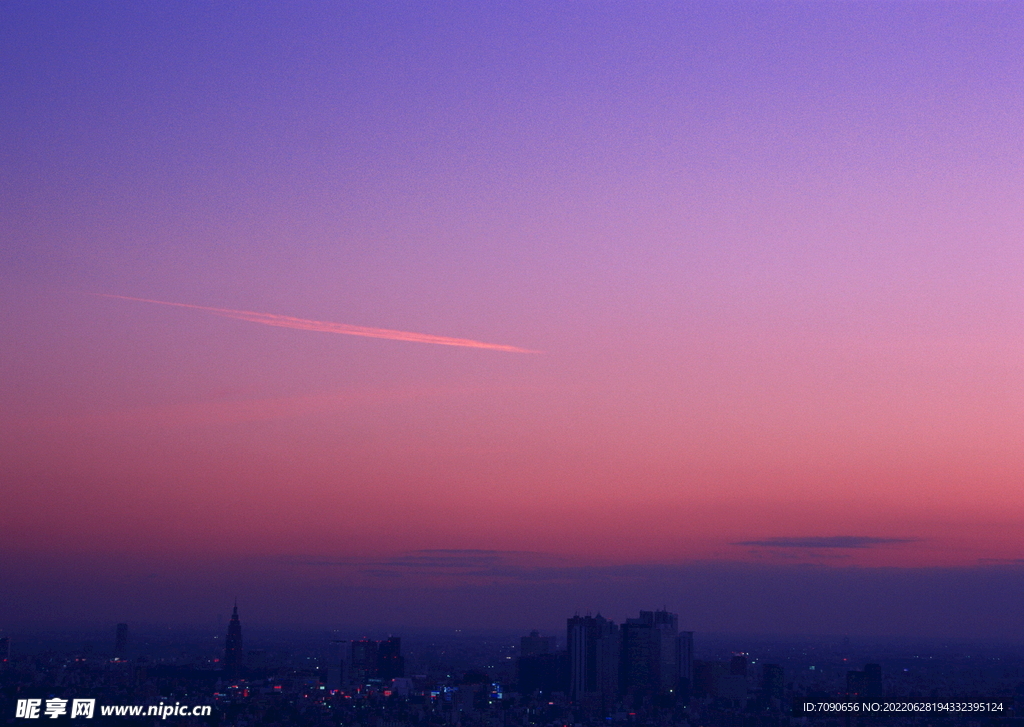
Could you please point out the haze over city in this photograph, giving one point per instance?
(482, 315)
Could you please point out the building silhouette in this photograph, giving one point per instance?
(363, 661)
(540, 668)
(233, 646)
(335, 665)
(650, 654)
(371, 660)
(684, 650)
(390, 663)
(594, 661)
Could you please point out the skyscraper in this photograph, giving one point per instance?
(593, 643)
(390, 663)
(684, 650)
(335, 665)
(233, 646)
(363, 660)
(539, 667)
(650, 653)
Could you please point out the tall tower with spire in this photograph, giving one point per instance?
(233, 645)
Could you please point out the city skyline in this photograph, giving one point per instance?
(728, 298)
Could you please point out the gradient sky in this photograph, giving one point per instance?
(771, 255)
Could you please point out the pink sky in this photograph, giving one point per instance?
(771, 254)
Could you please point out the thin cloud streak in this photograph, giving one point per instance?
(834, 541)
(273, 319)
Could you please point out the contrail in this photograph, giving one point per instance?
(272, 319)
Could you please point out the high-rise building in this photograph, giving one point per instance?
(684, 650)
(233, 646)
(650, 653)
(335, 665)
(738, 665)
(375, 660)
(639, 658)
(120, 640)
(539, 667)
(363, 660)
(390, 663)
(667, 626)
(593, 645)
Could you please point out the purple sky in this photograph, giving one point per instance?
(770, 254)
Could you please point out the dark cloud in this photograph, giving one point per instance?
(832, 541)
(432, 559)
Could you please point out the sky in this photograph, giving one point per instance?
(361, 310)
